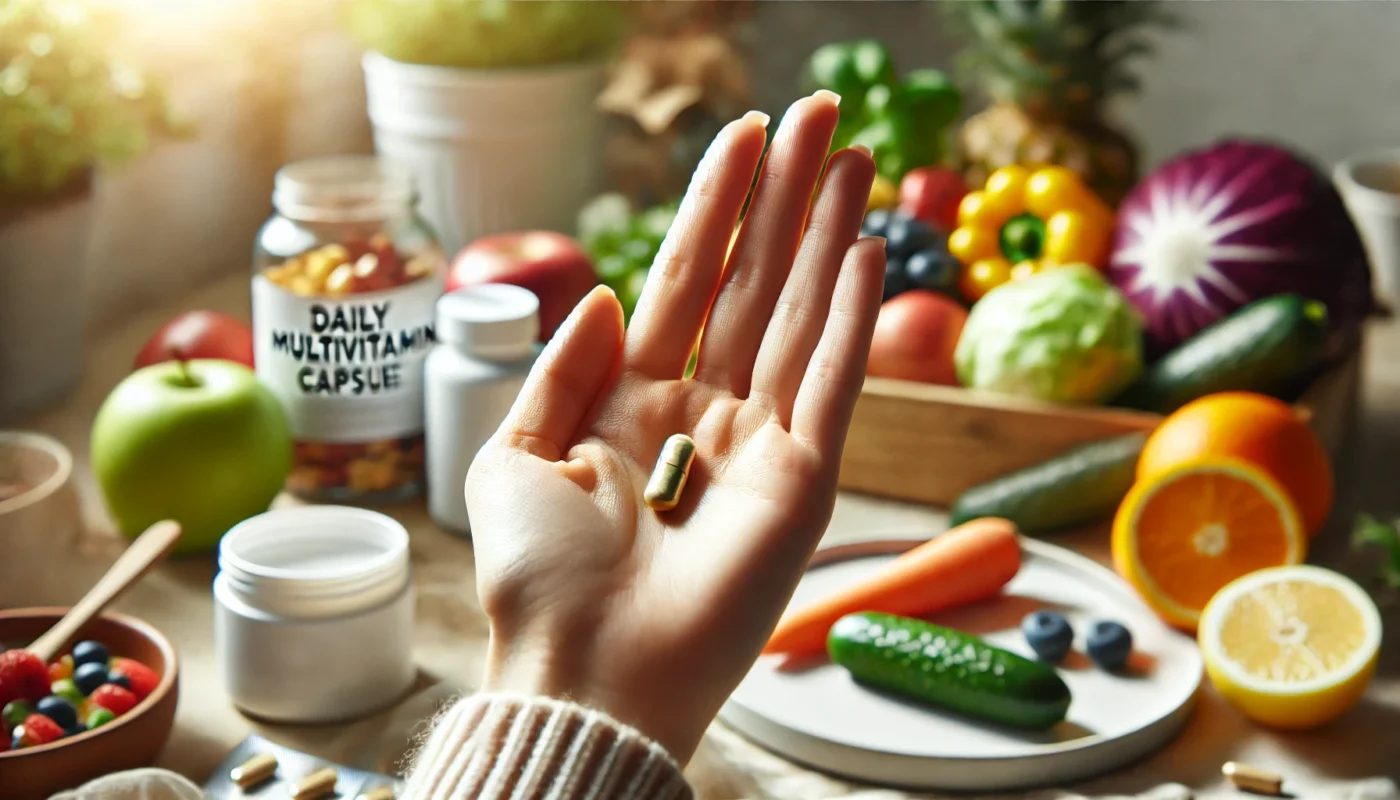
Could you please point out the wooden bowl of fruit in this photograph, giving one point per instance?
(106, 704)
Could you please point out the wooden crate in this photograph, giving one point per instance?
(925, 443)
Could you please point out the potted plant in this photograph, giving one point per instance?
(66, 109)
(490, 104)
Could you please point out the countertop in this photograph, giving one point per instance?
(451, 632)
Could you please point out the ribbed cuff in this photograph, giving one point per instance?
(496, 746)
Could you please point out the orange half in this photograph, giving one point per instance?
(1182, 535)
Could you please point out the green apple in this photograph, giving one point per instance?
(201, 442)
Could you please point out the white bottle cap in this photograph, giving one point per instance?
(494, 320)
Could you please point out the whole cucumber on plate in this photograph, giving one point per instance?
(1076, 487)
(1263, 347)
(949, 669)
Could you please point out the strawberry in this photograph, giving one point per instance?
(39, 729)
(113, 698)
(142, 678)
(23, 676)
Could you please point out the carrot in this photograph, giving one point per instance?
(963, 565)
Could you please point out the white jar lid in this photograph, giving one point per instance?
(495, 320)
(316, 561)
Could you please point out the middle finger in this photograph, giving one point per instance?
(767, 244)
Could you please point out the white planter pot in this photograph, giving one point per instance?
(490, 150)
(42, 258)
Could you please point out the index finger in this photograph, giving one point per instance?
(682, 281)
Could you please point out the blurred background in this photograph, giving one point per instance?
(266, 82)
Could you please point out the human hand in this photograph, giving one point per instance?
(652, 617)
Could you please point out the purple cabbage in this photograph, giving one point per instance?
(1215, 229)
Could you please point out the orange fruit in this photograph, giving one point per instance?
(1184, 533)
(1265, 432)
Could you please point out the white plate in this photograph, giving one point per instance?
(818, 716)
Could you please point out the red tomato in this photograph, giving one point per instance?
(199, 334)
(933, 194)
(915, 335)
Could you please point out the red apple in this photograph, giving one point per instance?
(199, 334)
(552, 265)
(915, 336)
(932, 194)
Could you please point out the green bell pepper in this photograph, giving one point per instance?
(905, 122)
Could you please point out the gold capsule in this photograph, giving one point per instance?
(382, 793)
(1253, 779)
(254, 771)
(667, 482)
(318, 784)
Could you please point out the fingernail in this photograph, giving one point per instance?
(758, 116)
(862, 148)
(879, 240)
(827, 94)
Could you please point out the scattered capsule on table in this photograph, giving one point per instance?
(1253, 779)
(382, 793)
(254, 771)
(318, 784)
(668, 479)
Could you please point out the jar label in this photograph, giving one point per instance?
(347, 369)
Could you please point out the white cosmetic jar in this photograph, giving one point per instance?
(313, 614)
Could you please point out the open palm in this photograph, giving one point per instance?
(655, 617)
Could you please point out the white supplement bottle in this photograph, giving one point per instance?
(486, 345)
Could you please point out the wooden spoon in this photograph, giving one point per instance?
(133, 564)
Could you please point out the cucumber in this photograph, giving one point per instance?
(1074, 488)
(949, 669)
(1264, 347)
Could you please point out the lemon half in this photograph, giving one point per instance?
(1292, 647)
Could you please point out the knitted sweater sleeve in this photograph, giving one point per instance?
(498, 746)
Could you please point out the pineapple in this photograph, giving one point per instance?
(1049, 66)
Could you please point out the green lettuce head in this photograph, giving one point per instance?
(1063, 335)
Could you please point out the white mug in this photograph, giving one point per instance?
(1370, 186)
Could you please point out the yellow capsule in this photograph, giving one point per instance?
(254, 771)
(667, 482)
(1253, 779)
(381, 793)
(318, 784)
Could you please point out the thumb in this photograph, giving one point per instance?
(576, 366)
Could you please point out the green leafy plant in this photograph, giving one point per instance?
(1371, 532)
(67, 106)
(486, 34)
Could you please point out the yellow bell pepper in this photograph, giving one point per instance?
(1032, 218)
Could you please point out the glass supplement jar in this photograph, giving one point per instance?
(345, 279)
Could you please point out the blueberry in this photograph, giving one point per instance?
(906, 235)
(933, 268)
(1049, 634)
(119, 678)
(58, 710)
(90, 652)
(1109, 644)
(90, 676)
(875, 223)
(896, 277)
